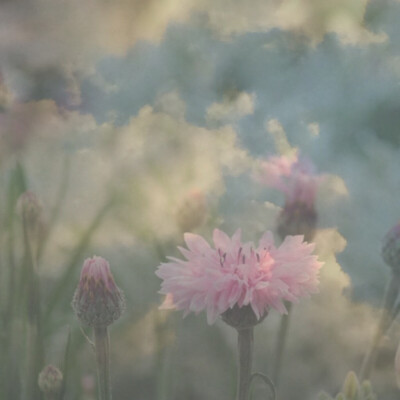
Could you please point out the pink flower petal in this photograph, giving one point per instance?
(236, 273)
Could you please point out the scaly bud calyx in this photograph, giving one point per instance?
(97, 301)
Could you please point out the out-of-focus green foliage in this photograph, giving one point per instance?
(352, 390)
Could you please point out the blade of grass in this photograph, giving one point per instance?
(65, 368)
(16, 186)
(55, 214)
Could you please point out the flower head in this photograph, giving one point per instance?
(236, 274)
(97, 300)
(391, 248)
(50, 380)
(295, 177)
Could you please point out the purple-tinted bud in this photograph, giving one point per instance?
(391, 248)
(97, 301)
(50, 381)
(297, 219)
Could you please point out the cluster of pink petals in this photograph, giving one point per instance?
(97, 269)
(293, 176)
(233, 273)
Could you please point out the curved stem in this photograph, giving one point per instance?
(385, 321)
(280, 347)
(245, 348)
(267, 381)
(102, 344)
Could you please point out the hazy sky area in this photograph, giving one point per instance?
(198, 91)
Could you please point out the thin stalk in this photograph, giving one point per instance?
(267, 382)
(102, 346)
(50, 396)
(66, 365)
(280, 347)
(55, 214)
(384, 324)
(34, 339)
(160, 331)
(245, 349)
(7, 378)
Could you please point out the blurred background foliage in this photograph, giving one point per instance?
(133, 121)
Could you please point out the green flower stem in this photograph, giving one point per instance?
(280, 347)
(245, 348)
(50, 396)
(385, 322)
(102, 347)
(34, 338)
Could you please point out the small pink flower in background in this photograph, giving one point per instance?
(97, 300)
(295, 177)
(236, 274)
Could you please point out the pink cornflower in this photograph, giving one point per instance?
(295, 177)
(236, 274)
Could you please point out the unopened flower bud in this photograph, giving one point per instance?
(351, 387)
(191, 212)
(50, 381)
(391, 248)
(29, 208)
(97, 301)
(297, 219)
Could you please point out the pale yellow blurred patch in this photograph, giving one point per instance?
(150, 165)
(146, 337)
(276, 130)
(73, 35)
(307, 18)
(158, 159)
(76, 33)
(314, 129)
(171, 104)
(331, 189)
